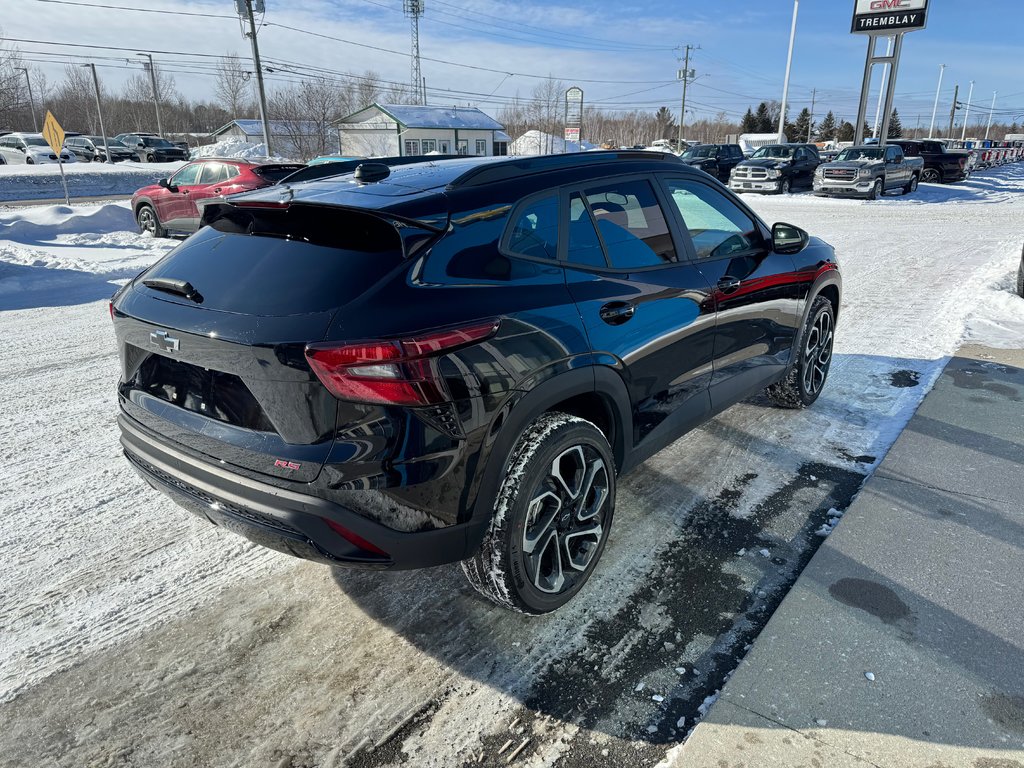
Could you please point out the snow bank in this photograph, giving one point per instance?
(46, 222)
(42, 182)
(234, 148)
(998, 320)
(540, 143)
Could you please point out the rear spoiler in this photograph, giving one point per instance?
(276, 218)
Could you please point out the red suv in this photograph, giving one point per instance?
(172, 205)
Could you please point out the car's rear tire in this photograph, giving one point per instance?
(551, 518)
(806, 379)
(148, 221)
(931, 176)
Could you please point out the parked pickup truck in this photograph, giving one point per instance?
(776, 168)
(941, 166)
(868, 172)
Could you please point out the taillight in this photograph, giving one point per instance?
(393, 372)
(111, 303)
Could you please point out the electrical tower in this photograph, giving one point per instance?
(414, 9)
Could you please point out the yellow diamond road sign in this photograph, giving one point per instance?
(53, 133)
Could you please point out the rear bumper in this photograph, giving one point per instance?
(282, 519)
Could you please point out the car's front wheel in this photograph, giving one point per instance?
(786, 186)
(551, 519)
(877, 190)
(807, 377)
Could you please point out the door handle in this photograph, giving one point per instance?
(216, 191)
(729, 284)
(617, 312)
(184, 191)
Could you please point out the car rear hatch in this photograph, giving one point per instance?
(212, 338)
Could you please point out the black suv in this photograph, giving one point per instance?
(716, 159)
(413, 365)
(777, 168)
(151, 148)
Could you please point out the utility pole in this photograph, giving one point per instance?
(413, 10)
(810, 124)
(99, 112)
(789, 69)
(967, 114)
(156, 98)
(935, 109)
(952, 112)
(251, 34)
(31, 101)
(686, 75)
(991, 111)
(917, 130)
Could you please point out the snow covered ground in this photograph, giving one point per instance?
(42, 182)
(132, 635)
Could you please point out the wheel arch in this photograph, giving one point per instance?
(596, 393)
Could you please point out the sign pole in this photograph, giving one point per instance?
(54, 136)
(890, 90)
(862, 110)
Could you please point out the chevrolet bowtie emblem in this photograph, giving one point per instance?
(162, 340)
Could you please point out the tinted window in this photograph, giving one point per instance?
(187, 175)
(716, 225)
(737, 153)
(534, 229)
(254, 262)
(584, 244)
(631, 224)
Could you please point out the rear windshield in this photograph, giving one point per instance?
(284, 262)
(275, 173)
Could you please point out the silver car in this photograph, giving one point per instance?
(30, 149)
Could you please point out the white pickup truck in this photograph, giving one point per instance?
(868, 172)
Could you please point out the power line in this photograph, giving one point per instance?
(139, 10)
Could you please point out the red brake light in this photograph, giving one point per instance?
(111, 304)
(397, 372)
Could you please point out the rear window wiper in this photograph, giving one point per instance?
(170, 285)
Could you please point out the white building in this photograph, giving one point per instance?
(389, 130)
(288, 138)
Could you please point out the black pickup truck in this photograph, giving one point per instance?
(940, 165)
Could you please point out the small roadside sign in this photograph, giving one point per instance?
(54, 136)
(572, 134)
(53, 133)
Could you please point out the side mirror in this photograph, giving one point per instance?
(788, 239)
(165, 183)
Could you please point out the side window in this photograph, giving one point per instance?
(737, 153)
(891, 154)
(584, 244)
(211, 173)
(230, 172)
(534, 229)
(631, 224)
(187, 175)
(716, 225)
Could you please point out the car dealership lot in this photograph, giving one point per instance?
(134, 634)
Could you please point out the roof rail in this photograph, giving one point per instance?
(488, 174)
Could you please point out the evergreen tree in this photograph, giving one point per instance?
(763, 118)
(802, 128)
(827, 128)
(845, 131)
(665, 123)
(895, 126)
(749, 122)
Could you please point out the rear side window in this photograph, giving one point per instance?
(211, 173)
(534, 230)
(717, 227)
(631, 224)
(282, 262)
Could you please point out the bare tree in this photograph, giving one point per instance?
(13, 93)
(302, 116)
(232, 87)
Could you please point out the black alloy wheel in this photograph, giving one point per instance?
(931, 176)
(806, 379)
(552, 517)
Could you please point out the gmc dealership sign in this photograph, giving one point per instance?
(880, 17)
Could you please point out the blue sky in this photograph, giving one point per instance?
(741, 61)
